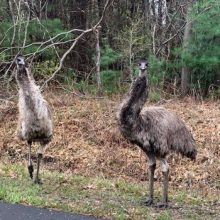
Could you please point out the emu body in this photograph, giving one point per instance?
(156, 130)
(35, 122)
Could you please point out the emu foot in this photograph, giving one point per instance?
(162, 205)
(147, 202)
(31, 170)
(38, 181)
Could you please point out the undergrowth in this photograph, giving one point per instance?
(97, 196)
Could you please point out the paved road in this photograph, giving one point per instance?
(22, 212)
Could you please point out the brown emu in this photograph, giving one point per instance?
(34, 123)
(155, 130)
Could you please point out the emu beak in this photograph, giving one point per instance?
(21, 62)
(143, 66)
(142, 71)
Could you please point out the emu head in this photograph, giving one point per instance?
(22, 72)
(143, 65)
(20, 61)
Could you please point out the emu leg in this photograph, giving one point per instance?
(30, 166)
(152, 167)
(165, 171)
(39, 157)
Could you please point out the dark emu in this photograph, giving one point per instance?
(35, 122)
(155, 130)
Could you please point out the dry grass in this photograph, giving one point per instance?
(87, 141)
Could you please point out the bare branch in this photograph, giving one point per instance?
(180, 29)
(45, 42)
(76, 41)
(166, 41)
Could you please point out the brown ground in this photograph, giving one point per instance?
(87, 141)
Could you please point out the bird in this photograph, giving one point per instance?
(35, 118)
(156, 130)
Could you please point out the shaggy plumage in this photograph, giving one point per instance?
(155, 130)
(35, 122)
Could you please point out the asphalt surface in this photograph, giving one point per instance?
(22, 212)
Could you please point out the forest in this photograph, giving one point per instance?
(94, 45)
(83, 56)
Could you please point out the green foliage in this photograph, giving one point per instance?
(33, 32)
(110, 80)
(108, 56)
(110, 83)
(133, 40)
(156, 77)
(203, 52)
(165, 216)
(154, 95)
(4, 11)
(96, 195)
(69, 76)
(45, 69)
(156, 70)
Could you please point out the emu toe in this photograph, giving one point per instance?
(148, 202)
(31, 170)
(162, 205)
(38, 181)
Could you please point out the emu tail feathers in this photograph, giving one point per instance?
(189, 149)
(183, 142)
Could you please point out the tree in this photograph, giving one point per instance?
(186, 38)
(132, 41)
(203, 51)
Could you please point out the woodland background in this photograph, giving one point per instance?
(83, 54)
(180, 38)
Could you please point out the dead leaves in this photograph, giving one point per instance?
(87, 141)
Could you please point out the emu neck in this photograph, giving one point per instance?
(23, 78)
(133, 104)
(142, 72)
(27, 87)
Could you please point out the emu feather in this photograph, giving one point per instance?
(34, 122)
(156, 130)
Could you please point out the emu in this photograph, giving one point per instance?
(34, 122)
(156, 130)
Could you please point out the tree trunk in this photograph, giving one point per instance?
(98, 53)
(132, 8)
(185, 70)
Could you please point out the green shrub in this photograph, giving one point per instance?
(111, 81)
(154, 95)
(108, 56)
(156, 70)
(202, 55)
(44, 69)
(36, 32)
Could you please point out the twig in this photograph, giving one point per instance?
(45, 42)
(180, 29)
(80, 95)
(74, 44)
